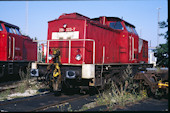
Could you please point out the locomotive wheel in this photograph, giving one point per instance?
(149, 92)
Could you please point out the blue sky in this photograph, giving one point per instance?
(141, 13)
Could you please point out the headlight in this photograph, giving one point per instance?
(78, 57)
(50, 57)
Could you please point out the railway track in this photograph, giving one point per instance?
(42, 108)
(10, 85)
(39, 102)
(16, 101)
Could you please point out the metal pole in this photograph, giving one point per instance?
(48, 51)
(158, 28)
(140, 32)
(26, 26)
(69, 52)
(37, 51)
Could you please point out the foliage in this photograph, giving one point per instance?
(164, 25)
(119, 96)
(161, 51)
(25, 76)
(35, 38)
(121, 93)
(4, 94)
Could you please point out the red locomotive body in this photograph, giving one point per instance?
(116, 40)
(16, 50)
(93, 52)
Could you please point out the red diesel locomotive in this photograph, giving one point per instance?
(16, 50)
(92, 52)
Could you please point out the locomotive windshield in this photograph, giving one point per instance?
(131, 29)
(17, 31)
(12, 30)
(128, 28)
(134, 30)
(116, 25)
(1, 28)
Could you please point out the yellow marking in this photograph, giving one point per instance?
(160, 84)
(57, 70)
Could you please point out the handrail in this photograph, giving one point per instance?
(9, 47)
(69, 46)
(69, 54)
(13, 48)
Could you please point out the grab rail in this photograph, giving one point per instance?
(13, 48)
(69, 40)
(9, 47)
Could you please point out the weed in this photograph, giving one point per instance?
(4, 94)
(121, 93)
(21, 88)
(69, 109)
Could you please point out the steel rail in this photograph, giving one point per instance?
(26, 99)
(57, 103)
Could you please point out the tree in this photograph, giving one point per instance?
(161, 51)
(35, 38)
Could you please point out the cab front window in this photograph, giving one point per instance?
(10, 30)
(1, 28)
(134, 31)
(7, 28)
(128, 28)
(17, 31)
(116, 25)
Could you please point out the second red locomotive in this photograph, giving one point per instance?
(16, 50)
(90, 48)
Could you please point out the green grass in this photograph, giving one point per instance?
(121, 93)
(117, 96)
(4, 94)
(24, 85)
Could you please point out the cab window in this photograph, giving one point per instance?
(10, 30)
(134, 31)
(13, 30)
(131, 29)
(116, 25)
(1, 28)
(128, 29)
(7, 28)
(17, 31)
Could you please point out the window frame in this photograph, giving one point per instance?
(7, 28)
(13, 29)
(134, 31)
(115, 23)
(1, 29)
(17, 31)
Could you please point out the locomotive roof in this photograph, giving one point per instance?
(71, 15)
(8, 24)
(113, 19)
(80, 16)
